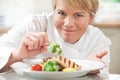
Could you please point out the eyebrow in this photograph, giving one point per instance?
(60, 10)
(81, 12)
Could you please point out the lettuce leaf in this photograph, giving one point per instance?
(54, 48)
(50, 66)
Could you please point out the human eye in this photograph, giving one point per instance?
(79, 15)
(61, 13)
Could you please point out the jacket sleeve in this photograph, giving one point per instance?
(12, 39)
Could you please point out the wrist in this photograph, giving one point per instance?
(15, 56)
(12, 59)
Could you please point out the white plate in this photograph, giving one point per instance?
(87, 66)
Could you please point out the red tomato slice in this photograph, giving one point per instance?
(36, 67)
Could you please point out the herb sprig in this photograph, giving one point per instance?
(54, 48)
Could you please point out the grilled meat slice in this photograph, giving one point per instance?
(66, 63)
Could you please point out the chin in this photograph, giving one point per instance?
(67, 39)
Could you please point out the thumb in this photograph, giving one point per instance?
(102, 54)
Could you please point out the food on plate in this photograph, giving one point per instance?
(66, 63)
(69, 70)
(54, 48)
(51, 66)
(36, 67)
(56, 63)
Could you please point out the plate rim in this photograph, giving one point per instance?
(30, 72)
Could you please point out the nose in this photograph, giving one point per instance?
(69, 22)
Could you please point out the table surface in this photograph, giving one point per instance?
(10, 75)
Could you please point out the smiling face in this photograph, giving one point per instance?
(70, 23)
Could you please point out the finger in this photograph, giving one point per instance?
(35, 41)
(40, 40)
(94, 72)
(30, 40)
(28, 43)
(46, 41)
(102, 54)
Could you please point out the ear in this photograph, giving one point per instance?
(91, 19)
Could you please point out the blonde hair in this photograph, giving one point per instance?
(88, 5)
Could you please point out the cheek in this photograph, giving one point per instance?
(84, 22)
(57, 21)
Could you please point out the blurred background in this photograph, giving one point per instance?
(107, 19)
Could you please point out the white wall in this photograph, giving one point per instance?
(15, 10)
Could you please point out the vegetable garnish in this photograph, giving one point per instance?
(50, 66)
(36, 67)
(54, 48)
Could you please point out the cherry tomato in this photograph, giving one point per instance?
(36, 67)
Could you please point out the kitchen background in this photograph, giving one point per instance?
(107, 19)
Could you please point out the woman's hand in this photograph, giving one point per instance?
(97, 57)
(32, 44)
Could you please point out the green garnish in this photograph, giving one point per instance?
(54, 47)
(50, 66)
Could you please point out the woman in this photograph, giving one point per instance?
(69, 25)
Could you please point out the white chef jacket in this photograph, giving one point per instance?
(93, 40)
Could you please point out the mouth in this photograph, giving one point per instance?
(69, 32)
